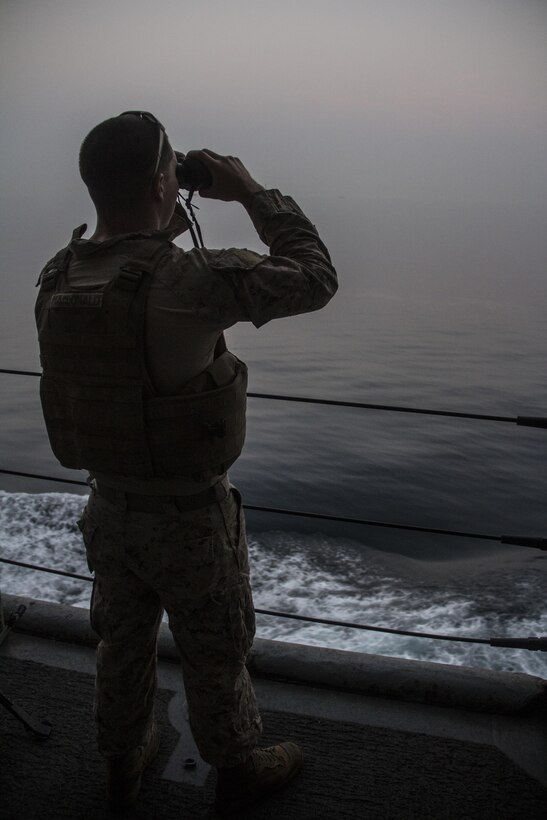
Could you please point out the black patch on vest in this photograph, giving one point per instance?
(92, 300)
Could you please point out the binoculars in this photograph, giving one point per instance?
(192, 175)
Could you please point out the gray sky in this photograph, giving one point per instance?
(346, 105)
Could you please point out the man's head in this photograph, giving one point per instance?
(128, 164)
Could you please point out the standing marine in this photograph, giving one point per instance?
(139, 389)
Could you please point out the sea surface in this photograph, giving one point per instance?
(458, 353)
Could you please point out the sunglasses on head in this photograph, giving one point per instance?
(191, 174)
(148, 117)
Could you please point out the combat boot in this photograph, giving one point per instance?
(124, 773)
(263, 773)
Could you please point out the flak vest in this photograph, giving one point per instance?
(101, 411)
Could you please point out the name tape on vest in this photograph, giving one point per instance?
(92, 300)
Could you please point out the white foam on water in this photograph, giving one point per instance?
(41, 529)
(288, 574)
(309, 574)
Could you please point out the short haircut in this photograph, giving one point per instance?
(117, 160)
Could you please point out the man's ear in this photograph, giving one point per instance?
(158, 186)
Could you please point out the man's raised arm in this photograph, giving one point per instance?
(296, 277)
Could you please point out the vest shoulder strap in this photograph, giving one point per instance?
(141, 263)
(59, 263)
(51, 271)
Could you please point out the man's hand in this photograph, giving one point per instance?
(231, 180)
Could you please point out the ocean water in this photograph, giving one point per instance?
(462, 354)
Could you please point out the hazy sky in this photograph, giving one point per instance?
(438, 103)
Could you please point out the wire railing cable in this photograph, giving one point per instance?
(41, 568)
(46, 477)
(533, 642)
(21, 372)
(515, 540)
(521, 421)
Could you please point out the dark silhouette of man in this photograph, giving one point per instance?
(139, 389)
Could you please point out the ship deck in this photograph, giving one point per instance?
(382, 737)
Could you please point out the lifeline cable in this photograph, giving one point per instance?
(520, 421)
(533, 642)
(515, 540)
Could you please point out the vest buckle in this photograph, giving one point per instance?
(129, 279)
(48, 278)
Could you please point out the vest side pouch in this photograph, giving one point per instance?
(199, 434)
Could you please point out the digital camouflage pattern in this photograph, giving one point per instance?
(232, 285)
(195, 566)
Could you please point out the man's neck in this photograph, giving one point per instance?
(124, 223)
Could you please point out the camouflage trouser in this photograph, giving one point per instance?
(195, 566)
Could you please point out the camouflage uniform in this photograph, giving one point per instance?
(195, 566)
(192, 564)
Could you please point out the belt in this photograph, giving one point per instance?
(135, 502)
